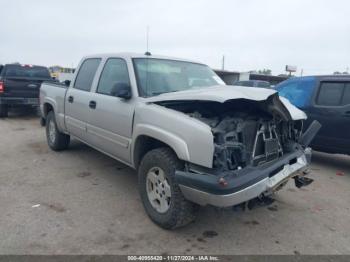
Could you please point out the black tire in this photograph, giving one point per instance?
(3, 111)
(58, 141)
(42, 121)
(37, 111)
(180, 212)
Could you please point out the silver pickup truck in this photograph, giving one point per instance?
(192, 139)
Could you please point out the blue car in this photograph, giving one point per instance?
(327, 100)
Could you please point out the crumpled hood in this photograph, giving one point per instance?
(224, 93)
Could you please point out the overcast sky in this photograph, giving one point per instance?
(252, 34)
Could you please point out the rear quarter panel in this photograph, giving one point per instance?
(54, 95)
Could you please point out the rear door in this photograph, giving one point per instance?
(24, 81)
(332, 109)
(77, 98)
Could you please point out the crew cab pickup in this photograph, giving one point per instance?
(19, 86)
(192, 139)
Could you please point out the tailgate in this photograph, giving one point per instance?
(17, 87)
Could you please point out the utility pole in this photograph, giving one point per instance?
(223, 62)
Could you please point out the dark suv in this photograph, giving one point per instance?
(326, 99)
(20, 84)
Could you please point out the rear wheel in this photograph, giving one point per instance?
(42, 121)
(160, 194)
(37, 111)
(3, 110)
(55, 139)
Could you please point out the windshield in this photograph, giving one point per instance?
(157, 76)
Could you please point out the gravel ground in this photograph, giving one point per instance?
(82, 202)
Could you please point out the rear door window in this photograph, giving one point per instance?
(86, 74)
(330, 94)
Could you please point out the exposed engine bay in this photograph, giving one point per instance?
(245, 132)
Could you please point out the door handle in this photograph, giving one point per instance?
(70, 99)
(92, 104)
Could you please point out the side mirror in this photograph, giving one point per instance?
(66, 82)
(122, 90)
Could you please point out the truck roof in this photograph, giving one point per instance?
(127, 55)
(322, 78)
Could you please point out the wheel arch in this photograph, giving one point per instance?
(146, 142)
(47, 107)
(50, 105)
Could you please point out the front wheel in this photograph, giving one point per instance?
(55, 139)
(160, 194)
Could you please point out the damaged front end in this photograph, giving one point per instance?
(257, 148)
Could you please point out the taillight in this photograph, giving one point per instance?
(2, 87)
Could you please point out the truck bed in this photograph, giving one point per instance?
(54, 93)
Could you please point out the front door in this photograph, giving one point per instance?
(110, 122)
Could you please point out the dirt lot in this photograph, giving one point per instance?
(82, 202)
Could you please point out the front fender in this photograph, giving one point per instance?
(175, 142)
(191, 139)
